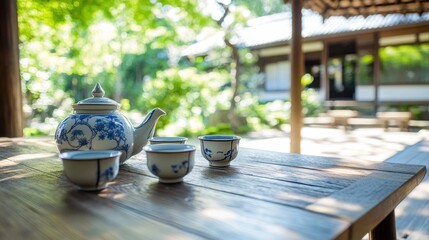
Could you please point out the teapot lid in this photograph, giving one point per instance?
(97, 101)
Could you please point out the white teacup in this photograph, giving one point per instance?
(158, 140)
(219, 150)
(91, 170)
(170, 162)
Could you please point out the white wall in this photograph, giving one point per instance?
(393, 93)
(265, 96)
(277, 76)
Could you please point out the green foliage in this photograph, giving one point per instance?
(135, 68)
(365, 69)
(133, 49)
(307, 79)
(276, 113)
(186, 95)
(262, 8)
(31, 132)
(311, 105)
(405, 63)
(68, 46)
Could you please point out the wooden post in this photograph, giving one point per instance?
(325, 76)
(386, 229)
(11, 123)
(376, 72)
(296, 74)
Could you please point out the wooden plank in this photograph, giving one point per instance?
(26, 146)
(276, 191)
(321, 163)
(135, 204)
(39, 206)
(368, 201)
(297, 186)
(294, 182)
(257, 181)
(283, 186)
(273, 220)
(411, 218)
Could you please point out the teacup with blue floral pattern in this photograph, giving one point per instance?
(219, 150)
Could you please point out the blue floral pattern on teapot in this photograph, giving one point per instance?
(105, 128)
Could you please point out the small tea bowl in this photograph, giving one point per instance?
(219, 150)
(91, 170)
(170, 162)
(158, 140)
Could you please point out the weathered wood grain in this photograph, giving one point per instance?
(379, 194)
(195, 210)
(38, 206)
(320, 163)
(294, 186)
(412, 220)
(263, 195)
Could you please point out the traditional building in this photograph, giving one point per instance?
(373, 60)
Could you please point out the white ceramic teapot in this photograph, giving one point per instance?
(97, 125)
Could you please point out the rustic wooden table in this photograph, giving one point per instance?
(263, 195)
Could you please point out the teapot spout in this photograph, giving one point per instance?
(146, 129)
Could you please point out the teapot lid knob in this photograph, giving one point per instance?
(98, 91)
(97, 103)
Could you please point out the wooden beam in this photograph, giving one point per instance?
(325, 77)
(297, 64)
(376, 71)
(11, 122)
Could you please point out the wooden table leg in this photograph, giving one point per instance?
(404, 125)
(386, 229)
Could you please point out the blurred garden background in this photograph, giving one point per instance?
(133, 48)
(136, 50)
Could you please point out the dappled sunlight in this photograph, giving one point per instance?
(6, 163)
(370, 144)
(346, 171)
(42, 141)
(424, 149)
(109, 191)
(334, 206)
(25, 157)
(274, 144)
(282, 231)
(421, 192)
(11, 174)
(6, 144)
(219, 214)
(288, 196)
(15, 176)
(424, 212)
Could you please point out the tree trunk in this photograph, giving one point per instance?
(235, 83)
(11, 122)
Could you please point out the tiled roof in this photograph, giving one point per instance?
(350, 8)
(276, 28)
